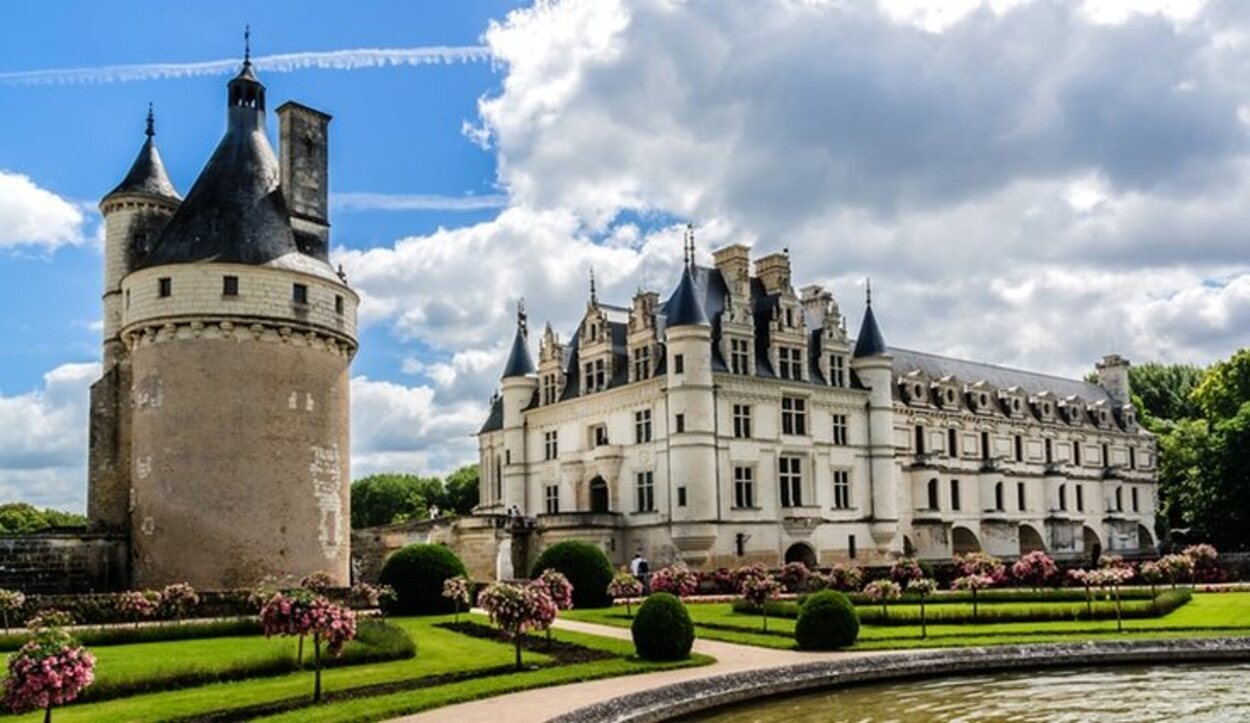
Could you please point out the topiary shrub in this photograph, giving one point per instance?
(417, 572)
(662, 629)
(586, 567)
(827, 621)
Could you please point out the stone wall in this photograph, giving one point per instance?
(63, 562)
(481, 541)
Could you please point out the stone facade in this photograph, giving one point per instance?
(758, 435)
(220, 426)
(63, 562)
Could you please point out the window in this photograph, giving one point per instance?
(596, 375)
(1119, 499)
(839, 430)
(789, 362)
(498, 479)
(837, 370)
(1106, 456)
(679, 364)
(850, 546)
(507, 456)
(338, 303)
(933, 494)
(985, 445)
(1050, 451)
(789, 317)
(642, 426)
(740, 356)
(549, 389)
(1063, 497)
(1080, 498)
(952, 443)
(165, 286)
(1136, 506)
(553, 499)
(679, 423)
(600, 435)
(744, 486)
(794, 416)
(841, 489)
(681, 496)
(642, 363)
(1019, 448)
(645, 489)
(998, 497)
(230, 286)
(1076, 453)
(1021, 503)
(742, 421)
(954, 494)
(299, 293)
(791, 479)
(551, 444)
(1132, 458)
(919, 439)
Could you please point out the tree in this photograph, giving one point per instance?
(1161, 392)
(51, 669)
(460, 490)
(1224, 388)
(382, 499)
(20, 518)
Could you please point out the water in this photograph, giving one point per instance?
(1197, 692)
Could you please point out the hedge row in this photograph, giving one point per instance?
(1007, 595)
(124, 635)
(1159, 606)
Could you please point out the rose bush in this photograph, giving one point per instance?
(675, 579)
(758, 591)
(518, 609)
(52, 669)
(625, 587)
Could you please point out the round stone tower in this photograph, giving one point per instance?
(238, 336)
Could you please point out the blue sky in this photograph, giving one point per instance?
(1027, 182)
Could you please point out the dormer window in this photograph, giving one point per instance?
(1015, 405)
(837, 370)
(790, 318)
(642, 363)
(950, 397)
(740, 356)
(790, 362)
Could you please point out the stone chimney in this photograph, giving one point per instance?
(774, 271)
(817, 302)
(1113, 376)
(304, 156)
(734, 264)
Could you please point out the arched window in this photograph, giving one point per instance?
(1063, 497)
(1119, 499)
(933, 494)
(998, 496)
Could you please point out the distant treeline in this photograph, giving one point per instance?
(381, 499)
(20, 517)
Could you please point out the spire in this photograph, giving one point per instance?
(246, 90)
(594, 296)
(147, 174)
(519, 361)
(247, 45)
(684, 307)
(688, 245)
(870, 341)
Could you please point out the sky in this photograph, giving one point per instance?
(1032, 183)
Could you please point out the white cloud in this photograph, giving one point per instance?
(351, 59)
(43, 451)
(413, 202)
(35, 217)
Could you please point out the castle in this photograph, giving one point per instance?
(737, 422)
(219, 426)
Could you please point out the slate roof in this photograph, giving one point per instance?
(147, 174)
(520, 363)
(970, 372)
(870, 341)
(685, 308)
(494, 420)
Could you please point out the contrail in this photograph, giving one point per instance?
(413, 202)
(282, 63)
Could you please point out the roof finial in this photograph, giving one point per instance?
(247, 44)
(594, 296)
(690, 244)
(868, 290)
(151, 127)
(522, 319)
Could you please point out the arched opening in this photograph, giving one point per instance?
(964, 541)
(598, 495)
(1092, 545)
(1030, 540)
(1145, 540)
(933, 494)
(801, 552)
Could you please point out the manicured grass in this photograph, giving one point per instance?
(439, 653)
(1206, 615)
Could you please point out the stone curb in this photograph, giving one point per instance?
(679, 699)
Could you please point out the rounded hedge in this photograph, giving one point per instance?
(827, 621)
(662, 629)
(586, 567)
(417, 573)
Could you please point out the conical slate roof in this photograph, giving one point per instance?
(520, 363)
(684, 307)
(870, 341)
(236, 211)
(147, 174)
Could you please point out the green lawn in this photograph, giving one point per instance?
(1211, 614)
(439, 652)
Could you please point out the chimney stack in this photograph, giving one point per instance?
(303, 152)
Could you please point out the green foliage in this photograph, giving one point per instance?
(22, 518)
(827, 621)
(1225, 387)
(417, 572)
(1161, 391)
(382, 499)
(662, 629)
(586, 567)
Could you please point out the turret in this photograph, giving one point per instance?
(873, 365)
(691, 418)
(519, 385)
